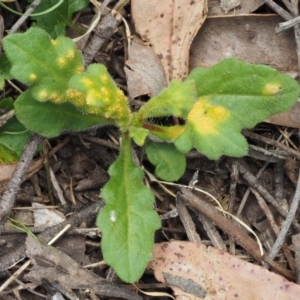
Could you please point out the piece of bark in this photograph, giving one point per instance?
(53, 265)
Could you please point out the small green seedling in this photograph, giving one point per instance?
(214, 104)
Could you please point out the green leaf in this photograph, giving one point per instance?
(165, 133)
(7, 103)
(127, 221)
(13, 137)
(56, 21)
(50, 119)
(170, 164)
(252, 93)
(7, 155)
(5, 67)
(44, 64)
(103, 97)
(138, 135)
(176, 100)
(233, 95)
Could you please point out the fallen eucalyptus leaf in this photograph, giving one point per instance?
(145, 74)
(216, 274)
(170, 27)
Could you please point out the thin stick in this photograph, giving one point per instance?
(266, 210)
(254, 184)
(287, 222)
(27, 263)
(9, 196)
(279, 10)
(269, 141)
(30, 9)
(245, 197)
(287, 24)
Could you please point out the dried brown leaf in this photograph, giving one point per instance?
(170, 27)
(6, 170)
(198, 272)
(248, 38)
(145, 74)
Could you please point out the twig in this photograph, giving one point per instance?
(30, 9)
(279, 10)
(232, 194)
(245, 197)
(8, 197)
(28, 262)
(287, 222)
(4, 118)
(279, 180)
(254, 184)
(297, 39)
(212, 232)
(89, 213)
(266, 210)
(187, 221)
(288, 5)
(269, 141)
(102, 142)
(293, 7)
(287, 24)
(267, 155)
(103, 33)
(57, 188)
(232, 229)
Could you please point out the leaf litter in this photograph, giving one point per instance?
(173, 27)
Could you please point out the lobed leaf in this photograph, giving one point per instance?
(127, 221)
(170, 164)
(50, 119)
(102, 95)
(213, 131)
(233, 95)
(176, 100)
(44, 64)
(250, 92)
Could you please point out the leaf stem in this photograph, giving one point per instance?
(33, 15)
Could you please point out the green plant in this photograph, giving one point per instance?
(214, 104)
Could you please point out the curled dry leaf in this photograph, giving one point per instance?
(145, 74)
(170, 27)
(195, 271)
